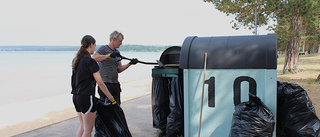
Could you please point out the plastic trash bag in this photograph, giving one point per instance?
(160, 102)
(175, 121)
(296, 116)
(252, 119)
(111, 122)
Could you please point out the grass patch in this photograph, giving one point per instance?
(309, 55)
(280, 61)
(312, 81)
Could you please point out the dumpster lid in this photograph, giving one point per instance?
(171, 56)
(230, 52)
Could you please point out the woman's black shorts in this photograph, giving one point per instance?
(85, 103)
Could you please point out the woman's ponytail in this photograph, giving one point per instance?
(86, 41)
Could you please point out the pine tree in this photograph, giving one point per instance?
(290, 15)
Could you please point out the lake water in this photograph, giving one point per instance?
(26, 75)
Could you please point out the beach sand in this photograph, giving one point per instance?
(20, 117)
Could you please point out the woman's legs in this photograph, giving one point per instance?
(80, 129)
(86, 119)
(88, 123)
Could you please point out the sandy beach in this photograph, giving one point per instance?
(28, 115)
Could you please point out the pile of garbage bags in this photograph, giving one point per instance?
(111, 122)
(252, 119)
(167, 105)
(296, 116)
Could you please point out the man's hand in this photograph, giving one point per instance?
(115, 54)
(133, 61)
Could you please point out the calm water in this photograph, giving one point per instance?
(28, 75)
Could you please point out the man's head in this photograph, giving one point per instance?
(116, 39)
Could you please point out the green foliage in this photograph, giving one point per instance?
(282, 30)
(296, 18)
(311, 27)
(281, 11)
(244, 11)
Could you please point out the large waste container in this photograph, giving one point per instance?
(236, 65)
(167, 93)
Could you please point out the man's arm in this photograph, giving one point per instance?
(97, 57)
(122, 67)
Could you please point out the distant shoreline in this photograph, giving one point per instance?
(132, 48)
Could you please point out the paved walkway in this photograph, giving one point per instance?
(138, 113)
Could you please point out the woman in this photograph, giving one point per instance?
(84, 76)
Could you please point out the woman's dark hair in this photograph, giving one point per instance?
(86, 41)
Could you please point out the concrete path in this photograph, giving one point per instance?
(138, 113)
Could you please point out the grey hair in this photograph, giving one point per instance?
(116, 35)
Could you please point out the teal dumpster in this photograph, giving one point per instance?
(235, 66)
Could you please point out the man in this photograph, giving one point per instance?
(109, 61)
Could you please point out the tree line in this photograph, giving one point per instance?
(133, 48)
(296, 23)
(142, 48)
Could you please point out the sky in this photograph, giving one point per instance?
(144, 22)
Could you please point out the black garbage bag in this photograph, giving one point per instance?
(296, 115)
(160, 102)
(111, 122)
(175, 119)
(252, 119)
